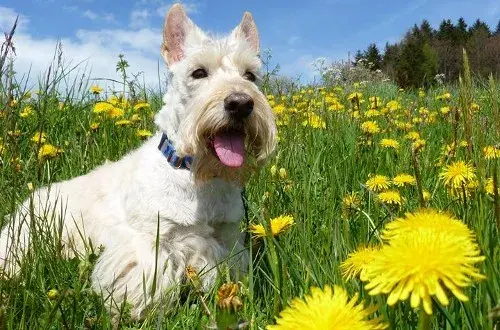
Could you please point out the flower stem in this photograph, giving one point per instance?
(424, 321)
(418, 179)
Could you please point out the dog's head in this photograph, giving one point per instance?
(214, 110)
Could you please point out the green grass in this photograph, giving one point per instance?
(322, 165)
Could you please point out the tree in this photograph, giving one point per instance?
(418, 63)
(480, 26)
(497, 30)
(424, 52)
(372, 57)
(461, 31)
(446, 30)
(426, 31)
(392, 54)
(357, 57)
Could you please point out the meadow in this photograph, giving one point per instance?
(326, 212)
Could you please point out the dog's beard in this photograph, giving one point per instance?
(223, 148)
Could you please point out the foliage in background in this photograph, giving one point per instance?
(425, 52)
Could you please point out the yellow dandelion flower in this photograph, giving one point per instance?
(378, 183)
(391, 197)
(135, 117)
(327, 309)
(95, 89)
(123, 122)
(115, 112)
(273, 170)
(403, 126)
(314, 121)
(418, 144)
(393, 105)
(426, 195)
(421, 93)
(102, 107)
(370, 127)
(443, 97)
(356, 261)
(463, 144)
(353, 96)
(474, 107)
(336, 107)
(278, 225)
(39, 137)
(141, 105)
(444, 110)
(283, 120)
(351, 201)
(94, 126)
(403, 179)
(282, 173)
(491, 152)
(389, 143)
(428, 219)
(48, 151)
(28, 110)
(372, 113)
(489, 187)
(457, 174)
(279, 109)
(143, 133)
(425, 251)
(52, 294)
(227, 296)
(412, 136)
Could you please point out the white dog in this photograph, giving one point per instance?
(182, 186)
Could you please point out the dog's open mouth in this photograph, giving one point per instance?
(229, 147)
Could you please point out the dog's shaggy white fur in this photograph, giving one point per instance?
(121, 205)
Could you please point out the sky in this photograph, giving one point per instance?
(94, 32)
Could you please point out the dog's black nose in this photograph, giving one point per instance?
(238, 105)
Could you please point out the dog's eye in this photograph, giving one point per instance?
(199, 73)
(249, 76)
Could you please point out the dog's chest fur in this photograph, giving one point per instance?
(142, 189)
(212, 202)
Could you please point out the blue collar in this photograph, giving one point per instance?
(168, 150)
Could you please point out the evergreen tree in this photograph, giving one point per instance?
(497, 30)
(480, 26)
(446, 30)
(461, 31)
(426, 31)
(357, 57)
(373, 57)
(418, 63)
(390, 59)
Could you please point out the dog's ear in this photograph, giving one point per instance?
(248, 31)
(175, 31)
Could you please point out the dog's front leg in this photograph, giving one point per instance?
(133, 271)
(233, 240)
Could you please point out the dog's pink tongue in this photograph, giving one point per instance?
(230, 148)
